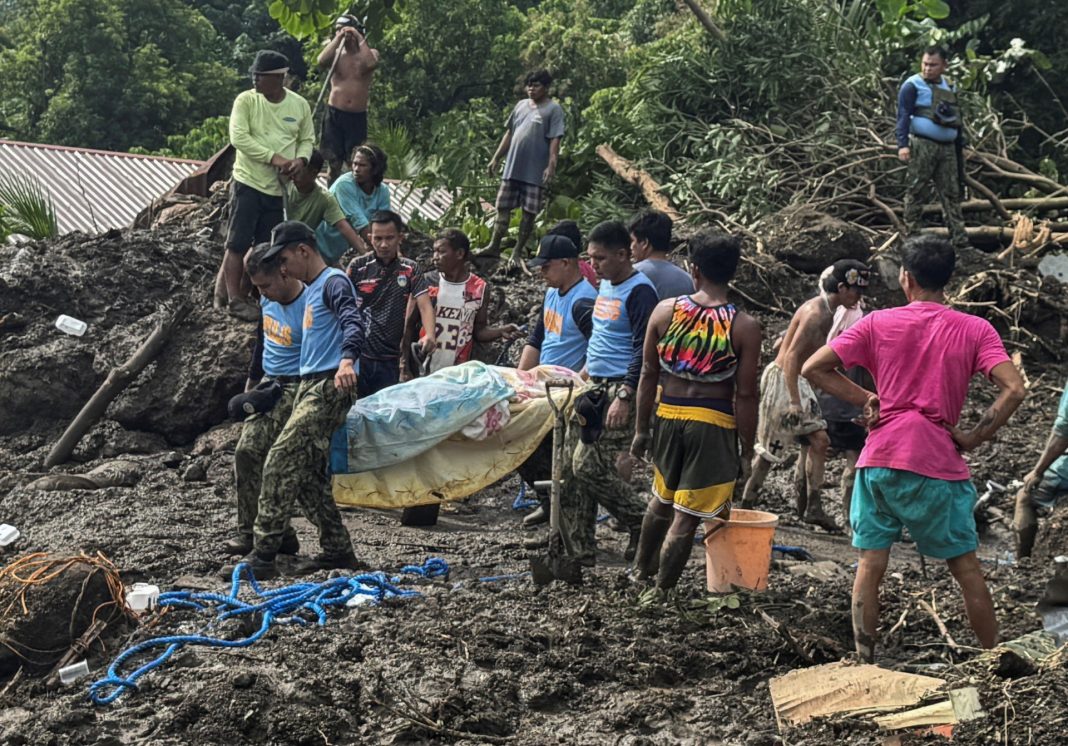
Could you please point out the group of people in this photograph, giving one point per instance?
(672, 367)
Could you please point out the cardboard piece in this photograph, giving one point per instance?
(962, 705)
(844, 688)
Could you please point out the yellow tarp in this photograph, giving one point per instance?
(459, 467)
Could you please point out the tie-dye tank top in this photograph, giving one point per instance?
(697, 344)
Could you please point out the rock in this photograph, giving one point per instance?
(195, 472)
(132, 441)
(220, 438)
(171, 459)
(243, 680)
(810, 241)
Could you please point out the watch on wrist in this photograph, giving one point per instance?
(624, 394)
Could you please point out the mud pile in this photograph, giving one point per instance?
(470, 661)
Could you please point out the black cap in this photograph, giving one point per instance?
(851, 272)
(268, 61)
(287, 233)
(259, 400)
(554, 247)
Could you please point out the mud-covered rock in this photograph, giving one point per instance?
(809, 241)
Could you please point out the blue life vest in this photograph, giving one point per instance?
(563, 343)
(611, 348)
(922, 125)
(320, 349)
(282, 333)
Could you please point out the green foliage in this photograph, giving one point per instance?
(25, 207)
(111, 73)
(199, 144)
(405, 161)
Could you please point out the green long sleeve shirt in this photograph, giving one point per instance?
(259, 130)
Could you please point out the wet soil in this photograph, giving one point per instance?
(468, 661)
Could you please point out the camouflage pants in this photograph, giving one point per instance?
(591, 478)
(257, 436)
(295, 470)
(937, 161)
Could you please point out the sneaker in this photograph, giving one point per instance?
(308, 565)
(262, 567)
(244, 309)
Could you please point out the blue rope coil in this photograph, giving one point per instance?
(278, 606)
(522, 502)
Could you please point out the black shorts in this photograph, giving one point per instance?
(846, 436)
(342, 131)
(253, 215)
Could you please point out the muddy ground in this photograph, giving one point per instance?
(469, 661)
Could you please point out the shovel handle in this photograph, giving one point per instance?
(559, 383)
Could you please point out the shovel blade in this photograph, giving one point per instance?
(556, 565)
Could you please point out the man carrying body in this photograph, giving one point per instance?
(650, 244)
(603, 422)
(911, 474)
(789, 410)
(532, 142)
(354, 63)
(384, 282)
(271, 130)
(1045, 484)
(276, 358)
(929, 139)
(296, 464)
(559, 338)
(310, 204)
(458, 297)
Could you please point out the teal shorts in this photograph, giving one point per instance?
(937, 512)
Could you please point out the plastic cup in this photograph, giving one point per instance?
(8, 534)
(73, 672)
(142, 597)
(71, 325)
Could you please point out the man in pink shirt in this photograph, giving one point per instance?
(911, 473)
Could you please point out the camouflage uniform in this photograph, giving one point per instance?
(938, 161)
(296, 467)
(257, 436)
(591, 478)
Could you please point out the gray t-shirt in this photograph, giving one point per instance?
(532, 127)
(669, 279)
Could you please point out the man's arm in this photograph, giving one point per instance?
(823, 371)
(355, 239)
(1055, 448)
(255, 365)
(484, 333)
(554, 154)
(330, 51)
(906, 104)
(582, 315)
(806, 338)
(429, 320)
(305, 135)
(241, 134)
(1012, 392)
(746, 338)
(501, 150)
(531, 355)
(650, 376)
(339, 296)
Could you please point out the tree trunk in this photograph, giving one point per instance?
(634, 175)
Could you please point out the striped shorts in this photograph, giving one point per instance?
(515, 194)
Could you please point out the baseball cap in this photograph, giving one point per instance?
(851, 272)
(289, 232)
(554, 247)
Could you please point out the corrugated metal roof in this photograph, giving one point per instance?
(408, 201)
(95, 190)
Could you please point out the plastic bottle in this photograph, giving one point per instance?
(70, 674)
(71, 325)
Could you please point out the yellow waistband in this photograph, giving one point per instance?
(699, 414)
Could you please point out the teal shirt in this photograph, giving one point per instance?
(358, 207)
(1060, 427)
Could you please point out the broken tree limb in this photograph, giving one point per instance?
(630, 173)
(992, 198)
(706, 20)
(118, 379)
(940, 624)
(1037, 204)
(991, 234)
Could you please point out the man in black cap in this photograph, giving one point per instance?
(559, 338)
(292, 472)
(352, 63)
(271, 130)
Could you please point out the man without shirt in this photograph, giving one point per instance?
(345, 125)
(650, 244)
(911, 473)
(789, 409)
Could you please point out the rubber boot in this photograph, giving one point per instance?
(814, 512)
(243, 544)
(1024, 524)
(673, 559)
(632, 544)
(647, 559)
(539, 516)
(262, 566)
(526, 228)
(500, 230)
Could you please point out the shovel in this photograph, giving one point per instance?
(562, 562)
